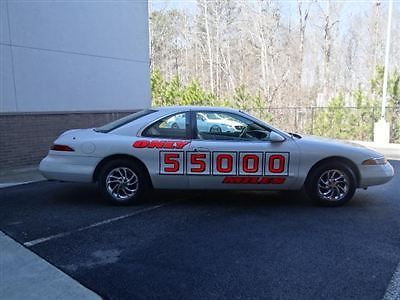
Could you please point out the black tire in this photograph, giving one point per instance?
(115, 175)
(215, 129)
(335, 179)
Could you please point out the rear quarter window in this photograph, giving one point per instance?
(174, 127)
(125, 120)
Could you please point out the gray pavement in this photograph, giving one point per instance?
(25, 275)
(212, 245)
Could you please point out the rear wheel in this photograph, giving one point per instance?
(331, 184)
(123, 182)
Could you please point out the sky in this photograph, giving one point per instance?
(173, 4)
(350, 8)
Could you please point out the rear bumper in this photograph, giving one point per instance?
(68, 168)
(375, 175)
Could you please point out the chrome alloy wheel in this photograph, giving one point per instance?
(333, 185)
(122, 183)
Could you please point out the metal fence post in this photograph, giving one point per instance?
(312, 120)
(373, 123)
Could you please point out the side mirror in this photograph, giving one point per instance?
(275, 138)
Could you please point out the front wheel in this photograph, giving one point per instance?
(215, 129)
(331, 184)
(123, 182)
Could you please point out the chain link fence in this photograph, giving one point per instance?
(342, 123)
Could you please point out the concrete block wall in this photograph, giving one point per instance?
(26, 138)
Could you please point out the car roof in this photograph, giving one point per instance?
(191, 107)
(160, 112)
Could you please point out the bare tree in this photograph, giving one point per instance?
(285, 53)
(303, 20)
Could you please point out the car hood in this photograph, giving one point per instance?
(335, 147)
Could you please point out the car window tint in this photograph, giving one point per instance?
(169, 127)
(228, 126)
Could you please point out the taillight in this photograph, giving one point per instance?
(61, 148)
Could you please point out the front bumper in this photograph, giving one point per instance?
(375, 175)
(68, 167)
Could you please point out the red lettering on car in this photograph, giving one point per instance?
(278, 180)
(265, 180)
(232, 179)
(171, 159)
(156, 144)
(168, 145)
(229, 163)
(181, 144)
(197, 159)
(281, 163)
(246, 160)
(140, 144)
(160, 144)
(253, 180)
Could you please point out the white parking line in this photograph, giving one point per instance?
(63, 234)
(393, 290)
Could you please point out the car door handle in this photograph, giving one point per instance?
(200, 149)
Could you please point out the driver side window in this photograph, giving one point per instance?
(228, 126)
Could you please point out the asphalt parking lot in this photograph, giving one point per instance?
(208, 245)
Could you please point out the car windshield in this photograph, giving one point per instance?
(120, 122)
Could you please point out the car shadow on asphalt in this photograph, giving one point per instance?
(87, 195)
(260, 199)
(248, 198)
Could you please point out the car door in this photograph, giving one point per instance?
(237, 153)
(162, 146)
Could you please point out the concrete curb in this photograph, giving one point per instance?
(11, 184)
(393, 290)
(25, 275)
(20, 176)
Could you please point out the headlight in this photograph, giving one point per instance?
(375, 161)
